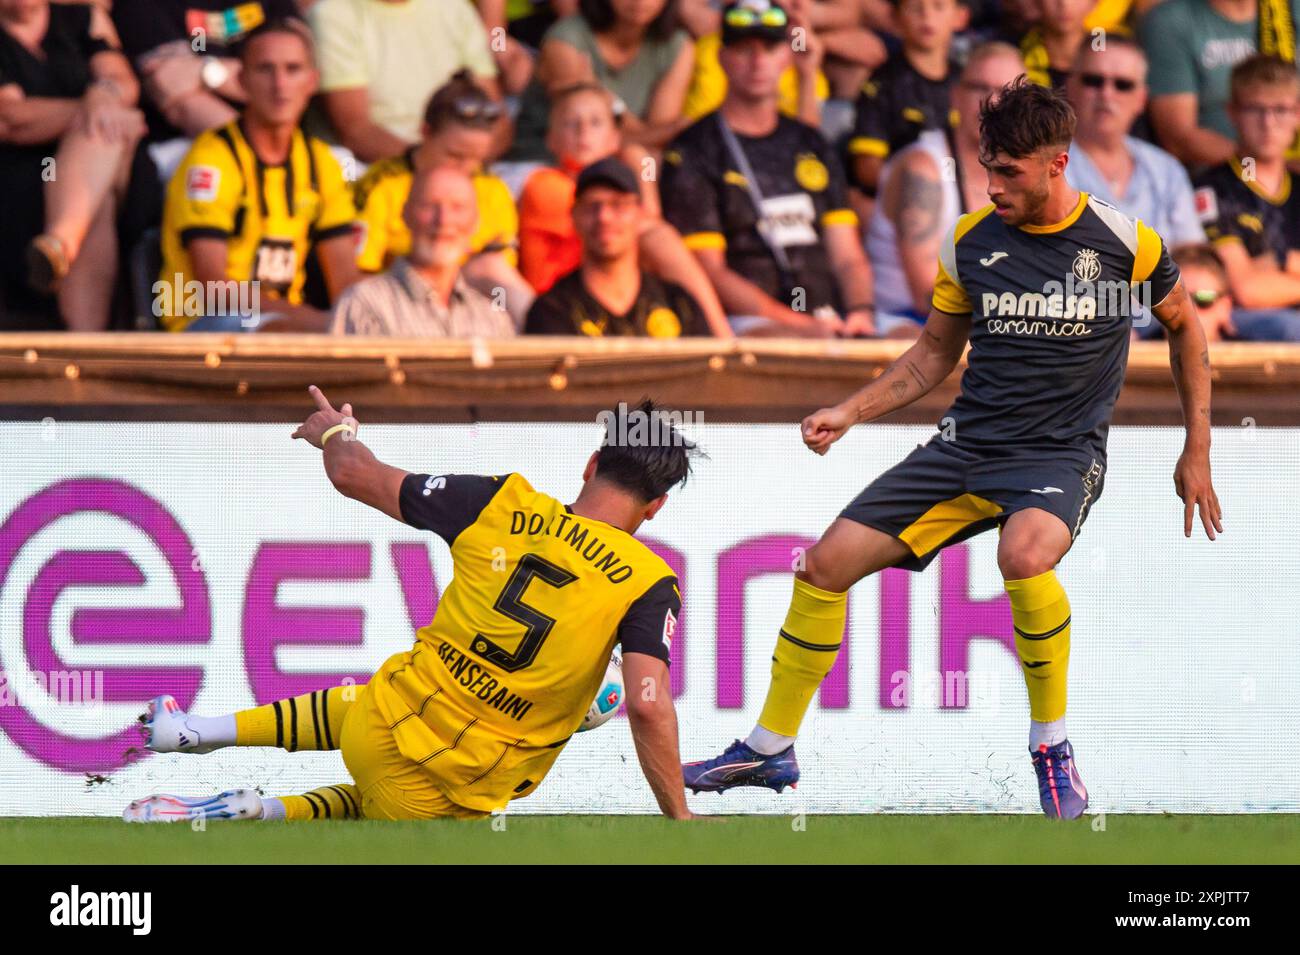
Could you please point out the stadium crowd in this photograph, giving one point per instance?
(653, 168)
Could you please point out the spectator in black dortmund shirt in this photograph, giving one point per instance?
(909, 93)
(768, 219)
(609, 294)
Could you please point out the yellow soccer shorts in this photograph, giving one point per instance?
(392, 786)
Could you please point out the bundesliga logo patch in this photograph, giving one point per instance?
(202, 183)
(1207, 204)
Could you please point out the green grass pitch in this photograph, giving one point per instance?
(646, 839)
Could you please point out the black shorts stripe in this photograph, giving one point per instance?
(1042, 636)
(279, 724)
(293, 723)
(824, 647)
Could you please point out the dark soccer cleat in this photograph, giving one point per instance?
(741, 766)
(1060, 790)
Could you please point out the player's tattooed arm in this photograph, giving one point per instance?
(913, 374)
(351, 467)
(1189, 359)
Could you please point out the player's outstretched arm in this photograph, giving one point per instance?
(351, 467)
(653, 719)
(1189, 358)
(915, 373)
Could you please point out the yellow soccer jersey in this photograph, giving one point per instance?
(502, 677)
(381, 193)
(268, 215)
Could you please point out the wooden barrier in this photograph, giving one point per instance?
(221, 377)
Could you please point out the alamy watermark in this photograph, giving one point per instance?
(66, 687)
(194, 299)
(634, 428)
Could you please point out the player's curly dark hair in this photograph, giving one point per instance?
(643, 452)
(1022, 118)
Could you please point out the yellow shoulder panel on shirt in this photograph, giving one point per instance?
(968, 221)
(949, 295)
(1148, 252)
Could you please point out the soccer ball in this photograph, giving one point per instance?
(608, 699)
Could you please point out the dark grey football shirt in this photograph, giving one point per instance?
(1051, 314)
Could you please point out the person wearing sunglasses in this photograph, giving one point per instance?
(1251, 208)
(761, 198)
(459, 130)
(1108, 92)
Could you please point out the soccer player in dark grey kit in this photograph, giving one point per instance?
(1024, 280)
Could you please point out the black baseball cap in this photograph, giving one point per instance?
(608, 172)
(746, 19)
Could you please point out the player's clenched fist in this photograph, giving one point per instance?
(324, 418)
(823, 428)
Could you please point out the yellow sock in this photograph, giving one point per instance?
(311, 721)
(329, 802)
(1041, 614)
(805, 652)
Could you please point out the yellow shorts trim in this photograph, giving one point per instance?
(945, 520)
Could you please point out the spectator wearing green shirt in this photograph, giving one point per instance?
(1192, 46)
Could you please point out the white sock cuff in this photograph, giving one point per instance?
(272, 809)
(766, 742)
(1046, 733)
(213, 730)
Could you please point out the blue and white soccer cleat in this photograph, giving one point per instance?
(233, 804)
(167, 730)
(1060, 790)
(741, 766)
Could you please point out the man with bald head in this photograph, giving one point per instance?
(423, 294)
(1108, 90)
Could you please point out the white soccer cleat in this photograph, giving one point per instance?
(167, 729)
(234, 804)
